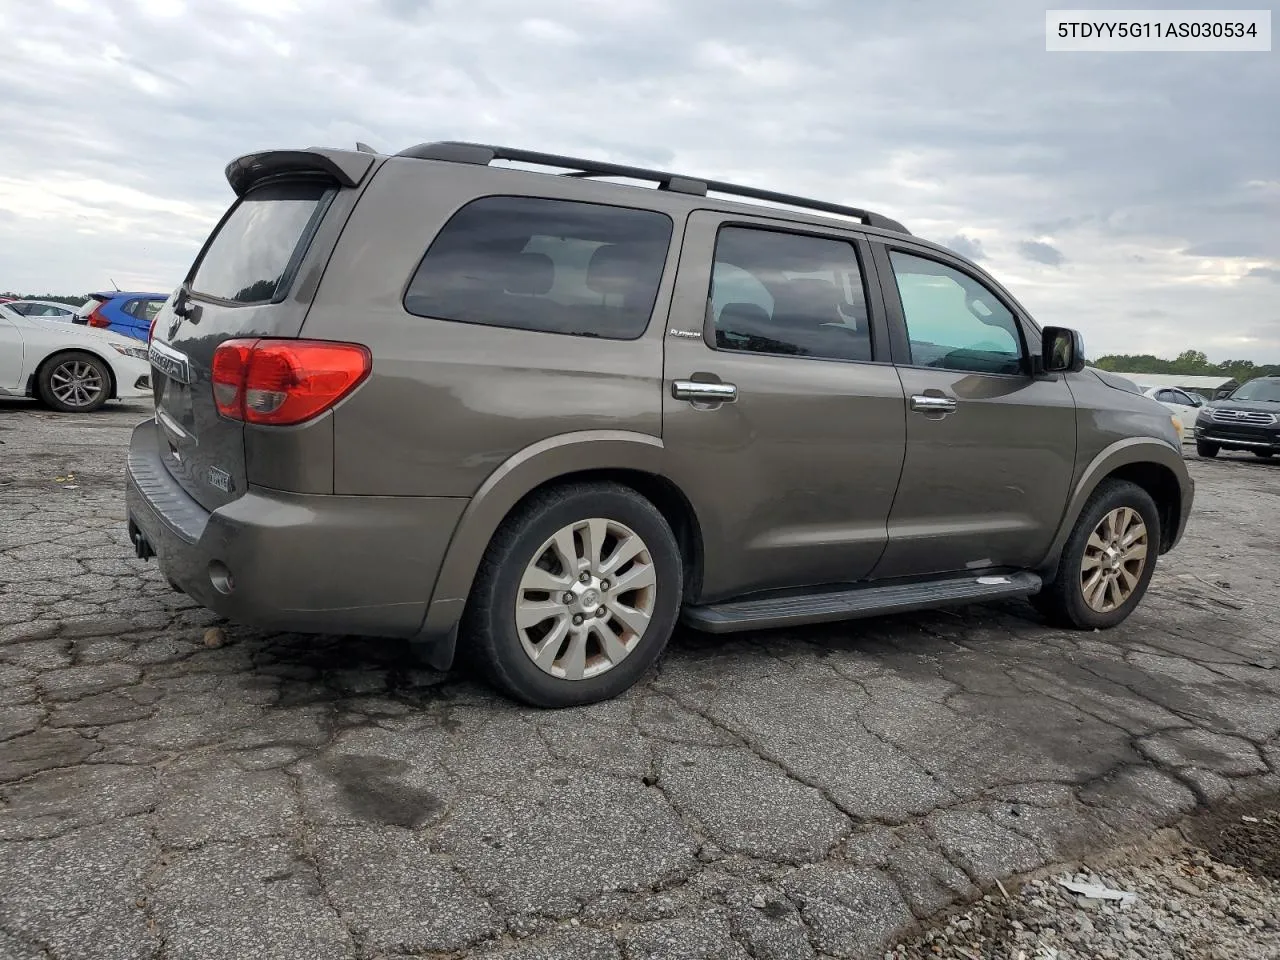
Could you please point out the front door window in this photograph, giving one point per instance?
(953, 321)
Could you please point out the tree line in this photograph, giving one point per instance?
(1189, 363)
(51, 297)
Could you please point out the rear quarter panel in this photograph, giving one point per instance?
(448, 403)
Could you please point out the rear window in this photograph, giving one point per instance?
(554, 266)
(89, 306)
(254, 254)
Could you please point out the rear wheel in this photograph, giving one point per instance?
(1108, 560)
(1264, 454)
(576, 597)
(1206, 449)
(74, 382)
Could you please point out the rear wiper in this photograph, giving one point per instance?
(181, 302)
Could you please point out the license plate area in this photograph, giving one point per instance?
(174, 411)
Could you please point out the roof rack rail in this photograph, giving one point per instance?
(483, 154)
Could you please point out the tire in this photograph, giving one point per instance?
(529, 549)
(1206, 449)
(1264, 454)
(1063, 601)
(74, 382)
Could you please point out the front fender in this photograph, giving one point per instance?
(1123, 453)
(535, 465)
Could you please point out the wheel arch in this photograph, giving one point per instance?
(34, 380)
(633, 460)
(1150, 464)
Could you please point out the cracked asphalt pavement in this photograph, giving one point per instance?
(794, 794)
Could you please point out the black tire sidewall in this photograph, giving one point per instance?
(494, 600)
(44, 382)
(1113, 495)
(1207, 449)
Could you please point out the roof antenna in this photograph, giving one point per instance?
(114, 284)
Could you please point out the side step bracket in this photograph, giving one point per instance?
(855, 602)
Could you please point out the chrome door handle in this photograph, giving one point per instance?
(696, 390)
(924, 403)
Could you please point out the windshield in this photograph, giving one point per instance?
(1268, 391)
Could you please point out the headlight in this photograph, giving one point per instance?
(138, 353)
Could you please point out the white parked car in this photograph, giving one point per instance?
(1182, 403)
(43, 309)
(71, 368)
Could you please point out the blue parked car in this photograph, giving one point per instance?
(127, 313)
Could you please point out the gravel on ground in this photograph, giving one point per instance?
(1208, 891)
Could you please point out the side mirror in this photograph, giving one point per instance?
(1062, 350)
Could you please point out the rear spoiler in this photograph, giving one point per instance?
(348, 168)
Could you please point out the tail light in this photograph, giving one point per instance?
(282, 382)
(96, 319)
(151, 330)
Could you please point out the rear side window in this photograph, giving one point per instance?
(555, 266)
(254, 254)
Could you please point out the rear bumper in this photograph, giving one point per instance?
(287, 561)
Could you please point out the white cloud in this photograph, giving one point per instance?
(1154, 177)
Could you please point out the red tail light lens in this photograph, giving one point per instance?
(230, 365)
(96, 319)
(282, 382)
(151, 330)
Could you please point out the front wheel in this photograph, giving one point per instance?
(1206, 449)
(74, 383)
(576, 597)
(1108, 560)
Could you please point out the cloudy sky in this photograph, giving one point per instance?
(1135, 196)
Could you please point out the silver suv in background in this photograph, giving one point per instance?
(541, 415)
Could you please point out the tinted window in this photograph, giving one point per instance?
(781, 293)
(150, 308)
(1166, 396)
(251, 255)
(953, 321)
(550, 265)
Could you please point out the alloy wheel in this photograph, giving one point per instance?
(76, 383)
(1114, 558)
(586, 599)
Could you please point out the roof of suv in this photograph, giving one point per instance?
(485, 154)
(349, 167)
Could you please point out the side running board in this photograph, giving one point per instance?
(868, 601)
